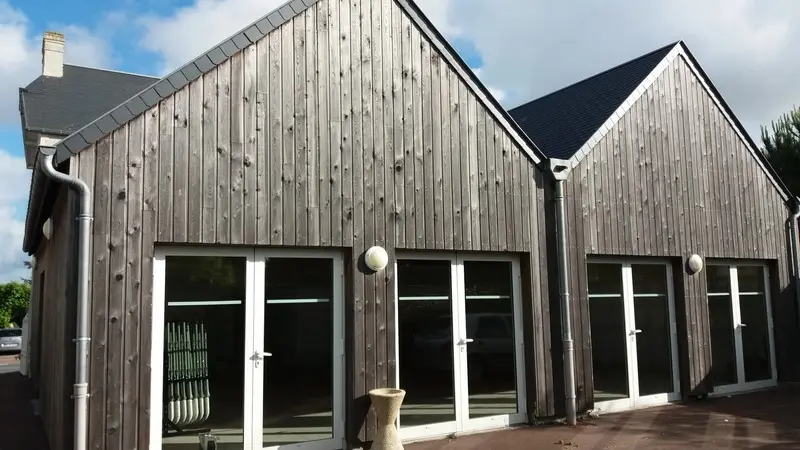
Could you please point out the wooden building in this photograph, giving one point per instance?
(662, 170)
(234, 201)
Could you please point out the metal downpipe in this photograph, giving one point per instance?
(560, 170)
(84, 219)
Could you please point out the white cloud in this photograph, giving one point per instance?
(14, 183)
(21, 56)
(532, 47)
(199, 26)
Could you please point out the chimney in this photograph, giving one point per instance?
(53, 54)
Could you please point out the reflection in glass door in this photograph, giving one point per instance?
(298, 373)
(233, 360)
(633, 334)
(459, 344)
(741, 328)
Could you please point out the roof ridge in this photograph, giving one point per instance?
(122, 72)
(591, 77)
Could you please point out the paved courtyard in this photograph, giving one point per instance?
(765, 420)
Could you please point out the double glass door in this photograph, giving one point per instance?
(236, 361)
(633, 335)
(741, 328)
(460, 345)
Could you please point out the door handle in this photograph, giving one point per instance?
(635, 332)
(259, 356)
(742, 325)
(465, 341)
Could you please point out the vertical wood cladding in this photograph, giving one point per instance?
(673, 178)
(345, 127)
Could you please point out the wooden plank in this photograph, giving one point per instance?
(436, 150)
(194, 197)
(455, 155)
(391, 133)
(133, 274)
(223, 175)
(409, 237)
(337, 66)
(500, 183)
(508, 182)
(165, 185)
(301, 136)
(474, 171)
(210, 156)
(664, 120)
(483, 185)
(350, 66)
(428, 187)
(464, 150)
(288, 109)
(237, 143)
(418, 152)
(312, 125)
(448, 206)
(115, 386)
(492, 134)
(616, 191)
(654, 217)
(398, 106)
(180, 165)
(100, 289)
(146, 319)
(250, 132)
(381, 88)
(276, 137)
(263, 198)
(325, 79)
(360, 90)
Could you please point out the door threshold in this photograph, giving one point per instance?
(596, 413)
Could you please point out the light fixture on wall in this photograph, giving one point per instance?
(376, 258)
(47, 229)
(695, 264)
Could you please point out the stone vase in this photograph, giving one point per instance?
(387, 407)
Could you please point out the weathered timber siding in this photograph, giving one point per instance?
(54, 365)
(343, 128)
(671, 179)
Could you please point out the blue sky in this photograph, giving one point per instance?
(522, 48)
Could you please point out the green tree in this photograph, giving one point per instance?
(14, 298)
(782, 147)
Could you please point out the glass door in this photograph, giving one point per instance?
(633, 333)
(742, 348)
(298, 382)
(459, 340)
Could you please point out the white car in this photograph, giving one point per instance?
(11, 340)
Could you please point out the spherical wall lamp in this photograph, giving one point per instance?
(47, 229)
(376, 258)
(695, 264)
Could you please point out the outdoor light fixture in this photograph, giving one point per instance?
(376, 258)
(695, 264)
(47, 229)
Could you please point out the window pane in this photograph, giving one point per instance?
(491, 357)
(720, 313)
(425, 338)
(204, 350)
(609, 333)
(755, 326)
(751, 279)
(299, 297)
(654, 343)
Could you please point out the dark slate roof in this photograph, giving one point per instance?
(562, 121)
(62, 105)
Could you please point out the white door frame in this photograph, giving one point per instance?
(463, 423)
(738, 322)
(254, 333)
(635, 400)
